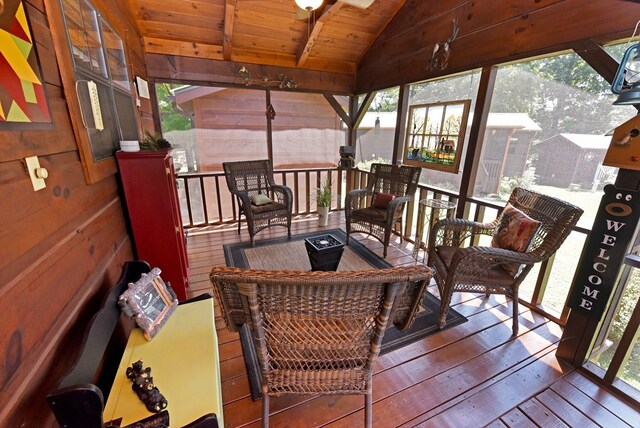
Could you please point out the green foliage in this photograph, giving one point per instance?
(154, 142)
(170, 118)
(526, 181)
(324, 196)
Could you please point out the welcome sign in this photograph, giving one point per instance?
(612, 231)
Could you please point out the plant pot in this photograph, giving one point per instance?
(323, 216)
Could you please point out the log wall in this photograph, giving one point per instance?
(61, 247)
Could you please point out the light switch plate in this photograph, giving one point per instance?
(32, 166)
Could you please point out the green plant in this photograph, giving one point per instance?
(154, 142)
(324, 195)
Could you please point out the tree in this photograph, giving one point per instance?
(171, 120)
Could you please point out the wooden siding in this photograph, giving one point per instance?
(61, 246)
(487, 35)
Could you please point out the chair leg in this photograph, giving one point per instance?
(368, 410)
(444, 308)
(265, 411)
(516, 324)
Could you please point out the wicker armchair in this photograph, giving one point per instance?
(317, 332)
(480, 269)
(365, 217)
(247, 179)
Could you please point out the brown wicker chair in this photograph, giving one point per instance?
(249, 178)
(479, 269)
(362, 216)
(318, 332)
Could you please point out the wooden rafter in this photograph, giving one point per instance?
(229, 15)
(307, 45)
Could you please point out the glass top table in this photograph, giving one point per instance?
(429, 212)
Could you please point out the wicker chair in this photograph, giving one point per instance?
(361, 216)
(246, 179)
(318, 332)
(480, 269)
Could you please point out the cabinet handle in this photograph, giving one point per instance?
(168, 170)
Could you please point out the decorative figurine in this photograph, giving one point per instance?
(142, 384)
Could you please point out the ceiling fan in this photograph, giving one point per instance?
(308, 6)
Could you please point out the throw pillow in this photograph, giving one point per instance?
(514, 232)
(382, 200)
(260, 199)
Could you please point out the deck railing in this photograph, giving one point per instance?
(205, 201)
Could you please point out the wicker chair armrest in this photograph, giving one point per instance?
(283, 194)
(354, 198)
(454, 231)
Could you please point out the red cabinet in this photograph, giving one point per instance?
(149, 183)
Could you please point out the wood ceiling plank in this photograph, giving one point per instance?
(175, 47)
(307, 45)
(212, 7)
(229, 16)
(193, 19)
(180, 32)
(289, 60)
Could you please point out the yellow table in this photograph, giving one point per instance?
(184, 363)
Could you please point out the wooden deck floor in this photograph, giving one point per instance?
(471, 375)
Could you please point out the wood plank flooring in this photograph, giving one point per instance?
(471, 375)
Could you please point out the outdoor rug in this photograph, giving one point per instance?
(283, 253)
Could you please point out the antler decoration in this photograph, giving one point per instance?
(441, 51)
(281, 81)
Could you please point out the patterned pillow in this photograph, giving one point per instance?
(514, 232)
(382, 200)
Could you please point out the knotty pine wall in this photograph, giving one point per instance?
(60, 247)
(489, 33)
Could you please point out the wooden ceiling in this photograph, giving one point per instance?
(269, 32)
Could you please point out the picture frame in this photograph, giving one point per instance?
(23, 98)
(149, 301)
(435, 135)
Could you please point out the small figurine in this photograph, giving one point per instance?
(142, 384)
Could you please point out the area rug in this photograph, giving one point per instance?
(283, 253)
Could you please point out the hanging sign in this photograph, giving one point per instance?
(606, 248)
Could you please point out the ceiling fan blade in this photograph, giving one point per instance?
(360, 4)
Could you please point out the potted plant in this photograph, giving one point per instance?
(154, 142)
(323, 200)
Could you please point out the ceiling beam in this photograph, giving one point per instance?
(338, 109)
(307, 45)
(598, 58)
(229, 16)
(178, 48)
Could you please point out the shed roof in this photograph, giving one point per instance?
(584, 141)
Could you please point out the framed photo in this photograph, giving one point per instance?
(149, 301)
(435, 135)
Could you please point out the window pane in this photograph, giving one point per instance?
(116, 58)
(545, 131)
(377, 130)
(602, 356)
(82, 27)
(307, 132)
(450, 89)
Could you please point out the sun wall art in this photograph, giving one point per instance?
(22, 96)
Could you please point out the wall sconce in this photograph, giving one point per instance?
(626, 82)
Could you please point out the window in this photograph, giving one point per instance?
(102, 80)
(435, 135)
(460, 87)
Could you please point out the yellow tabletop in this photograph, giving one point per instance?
(183, 357)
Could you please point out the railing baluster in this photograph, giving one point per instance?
(204, 201)
(188, 195)
(296, 193)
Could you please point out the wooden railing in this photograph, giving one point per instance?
(205, 201)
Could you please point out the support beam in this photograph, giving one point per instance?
(338, 109)
(476, 136)
(401, 124)
(357, 116)
(307, 45)
(598, 58)
(229, 16)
